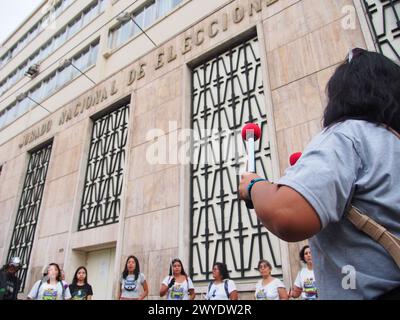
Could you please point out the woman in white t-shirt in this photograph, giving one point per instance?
(177, 286)
(51, 287)
(133, 284)
(222, 288)
(269, 288)
(304, 284)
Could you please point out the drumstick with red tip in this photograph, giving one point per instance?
(251, 132)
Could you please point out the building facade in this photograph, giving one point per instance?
(121, 135)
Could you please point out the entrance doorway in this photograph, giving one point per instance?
(100, 266)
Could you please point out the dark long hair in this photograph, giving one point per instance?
(365, 88)
(75, 279)
(137, 268)
(182, 269)
(58, 269)
(302, 253)
(223, 270)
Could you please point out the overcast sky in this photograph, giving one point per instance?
(12, 13)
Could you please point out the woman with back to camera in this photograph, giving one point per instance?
(348, 173)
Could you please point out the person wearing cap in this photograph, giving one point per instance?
(9, 282)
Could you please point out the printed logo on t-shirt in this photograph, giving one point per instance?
(130, 284)
(79, 295)
(261, 295)
(310, 289)
(177, 292)
(49, 294)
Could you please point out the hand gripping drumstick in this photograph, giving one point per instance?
(251, 132)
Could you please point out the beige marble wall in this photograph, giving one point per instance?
(151, 229)
(304, 41)
(11, 183)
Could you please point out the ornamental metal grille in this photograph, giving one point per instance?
(101, 202)
(384, 18)
(228, 92)
(28, 210)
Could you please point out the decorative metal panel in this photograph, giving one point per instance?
(28, 210)
(228, 92)
(384, 18)
(101, 202)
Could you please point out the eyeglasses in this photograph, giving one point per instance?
(353, 53)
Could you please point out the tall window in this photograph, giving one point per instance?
(227, 92)
(28, 209)
(384, 18)
(101, 202)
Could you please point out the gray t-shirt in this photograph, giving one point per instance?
(353, 161)
(131, 288)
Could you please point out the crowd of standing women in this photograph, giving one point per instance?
(176, 286)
